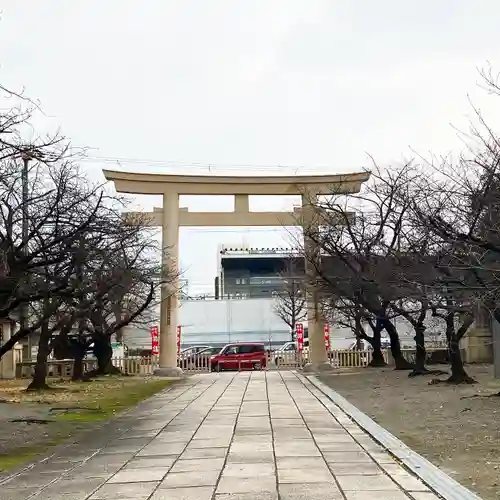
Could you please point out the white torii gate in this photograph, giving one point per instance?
(170, 217)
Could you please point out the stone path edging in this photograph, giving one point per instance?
(435, 478)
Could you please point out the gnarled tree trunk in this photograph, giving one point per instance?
(420, 352)
(104, 354)
(458, 373)
(39, 381)
(376, 343)
(400, 362)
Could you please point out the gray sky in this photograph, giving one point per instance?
(176, 85)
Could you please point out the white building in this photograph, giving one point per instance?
(218, 322)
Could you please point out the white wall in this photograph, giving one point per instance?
(223, 321)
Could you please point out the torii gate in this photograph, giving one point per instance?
(171, 217)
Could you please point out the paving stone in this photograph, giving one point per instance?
(382, 457)
(366, 483)
(256, 445)
(255, 470)
(355, 468)
(139, 475)
(209, 443)
(406, 480)
(173, 437)
(259, 495)
(251, 456)
(190, 479)
(424, 496)
(287, 422)
(70, 489)
(159, 448)
(300, 462)
(131, 491)
(125, 446)
(254, 485)
(32, 481)
(376, 495)
(215, 432)
(348, 457)
(336, 446)
(199, 464)
(193, 453)
(266, 439)
(304, 476)
(318, 491)
(147, 462)
(333, 437)
(297, 448)
(197, 493)
(16, 494)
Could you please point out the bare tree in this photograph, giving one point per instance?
(351, 314)
(357, 237)
(290, 302)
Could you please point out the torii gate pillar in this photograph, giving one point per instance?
(170, 217)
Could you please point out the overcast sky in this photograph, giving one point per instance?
(249, 86)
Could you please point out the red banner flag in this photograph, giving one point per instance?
(178, 340)
(299, 332)
(327, 337)
(155, 341)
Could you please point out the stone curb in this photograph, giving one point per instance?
(435, 478)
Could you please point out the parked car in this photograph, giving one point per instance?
(239, 357)
(200, 358)
(285, 353)
(188, 351)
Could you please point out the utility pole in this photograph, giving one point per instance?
(23, 317)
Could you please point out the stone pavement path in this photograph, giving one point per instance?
(243, 436)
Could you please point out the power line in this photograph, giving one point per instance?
(206, 166)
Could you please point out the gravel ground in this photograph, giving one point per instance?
(459, 433)
(15, 435)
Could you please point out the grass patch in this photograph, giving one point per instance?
(76, 405)
(26, 454)
(108, 406)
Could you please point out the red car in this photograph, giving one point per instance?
(239, 357)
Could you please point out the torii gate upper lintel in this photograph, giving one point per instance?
(171, 217)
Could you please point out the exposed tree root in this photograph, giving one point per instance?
(374, 363)
(112, 370)
(402, 364)
(454, 380)
(31, 421)
(494, 395)
(34, 386)
(424, 371)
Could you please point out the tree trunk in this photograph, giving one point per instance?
(458, 373)
(377, 356)
(400, 362)
(104, 353)
(420, 352)
(39, 381)
(77, 368)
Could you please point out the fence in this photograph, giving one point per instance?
(64, 368)
(339, 358)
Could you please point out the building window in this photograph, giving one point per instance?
(243, 281)
(238, 281)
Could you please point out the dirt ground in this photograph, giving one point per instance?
(31, 422)
(443, 423)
